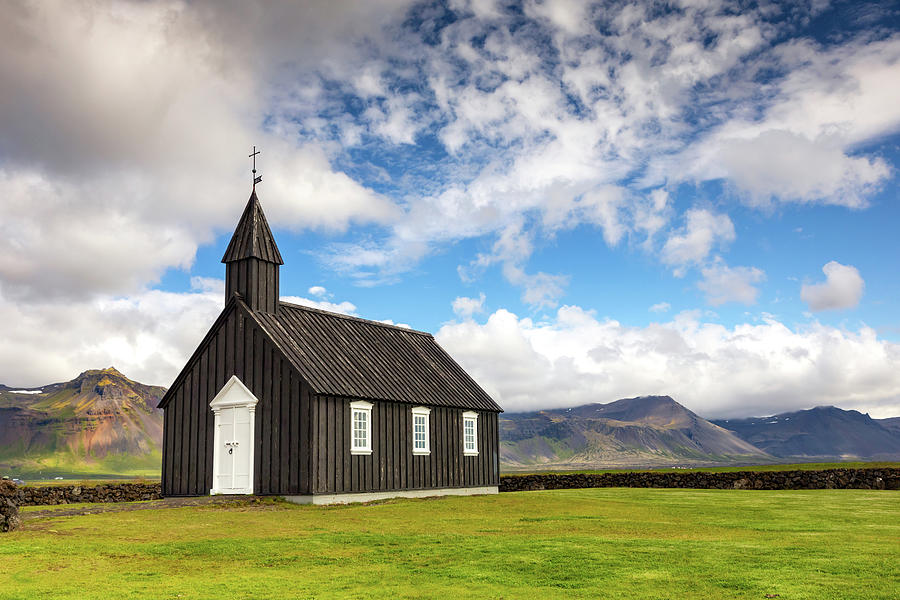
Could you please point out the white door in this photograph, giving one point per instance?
(233, 473)
(234, 409)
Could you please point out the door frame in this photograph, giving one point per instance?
(234, 394)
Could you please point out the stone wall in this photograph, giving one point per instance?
(9, 510)
(69, 494)
(868, 479)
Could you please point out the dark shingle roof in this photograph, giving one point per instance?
(252, 237)
(347, 356)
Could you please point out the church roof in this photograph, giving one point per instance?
(346, 356)
(252, 237)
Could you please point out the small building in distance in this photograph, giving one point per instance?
(319, 407)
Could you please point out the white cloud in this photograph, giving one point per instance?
(135, 110)
(123, 124)
(125, 137)
(344, 307)
(391, 322)
(692, 243)
(605, 206)
(567, 15)
(843, 288)
(722, 283)
(511, 249)
(660, 307)
(750, 369)
(466, 307)
(148, 336)
(801, 144)
(784, 165)
(317, 290)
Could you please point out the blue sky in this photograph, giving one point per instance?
(581, 201)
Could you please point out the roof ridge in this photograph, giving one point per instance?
(329, 313)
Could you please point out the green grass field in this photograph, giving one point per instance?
(776, 467)
(609, 543)
(73, 467)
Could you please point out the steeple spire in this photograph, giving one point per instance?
(252, 236)
(252, 260)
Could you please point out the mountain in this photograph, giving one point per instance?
(891, 423)
(100, 423)
(821, 432)
(645, 431)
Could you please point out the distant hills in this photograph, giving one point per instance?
(103, 424)
(645, 431)
(100, 423)
(821, 432)
(891, 423)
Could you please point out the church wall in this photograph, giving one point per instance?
(392, 465)
(255, 280)
(237, 347)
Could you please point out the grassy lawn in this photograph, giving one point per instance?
(610, 543)
(788, 467)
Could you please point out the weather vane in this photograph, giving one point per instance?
(255, 178)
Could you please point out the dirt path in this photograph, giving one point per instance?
(148, 505)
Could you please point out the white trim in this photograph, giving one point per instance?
(365, 408)
(225, 399)
(371, 496)
(421, 411)
(470, 416)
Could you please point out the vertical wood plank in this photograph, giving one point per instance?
(183, 425)
(166, 479)
(457, 447)
(321, 443)
(495, 447)
(381, 456)
(346, 441)
(405, 466)
(286, 423)
(386, 461)
(272, 387)
(202, 410)
(330, 444)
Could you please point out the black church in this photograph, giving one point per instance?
(319, 407)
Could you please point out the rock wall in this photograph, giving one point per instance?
(868, 479)
(69, 494)
(9, 510)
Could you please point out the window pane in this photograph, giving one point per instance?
(360, 422)
(420, 429)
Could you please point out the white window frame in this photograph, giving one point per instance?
(473, 418)
(365, 408)
(421, 411)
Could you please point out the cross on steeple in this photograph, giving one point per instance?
(255, 178)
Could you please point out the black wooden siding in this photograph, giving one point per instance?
(237, 347)
(256, 281)
(392, 464)
(305, 366)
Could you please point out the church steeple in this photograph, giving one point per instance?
(252, 260)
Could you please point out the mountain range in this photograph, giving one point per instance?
(100, 423)
(103, 424)
(821, 432)
(645, 431)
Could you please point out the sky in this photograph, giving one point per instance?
(582, 202)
